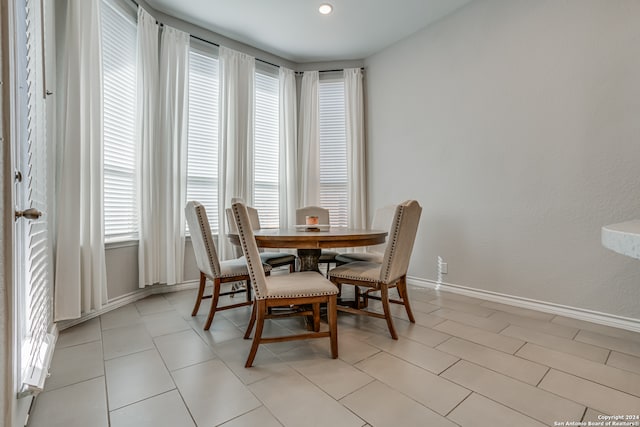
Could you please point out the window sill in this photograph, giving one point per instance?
(115, 244)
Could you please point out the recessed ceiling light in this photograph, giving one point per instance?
(325, 9)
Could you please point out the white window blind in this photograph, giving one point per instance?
(333, 151)
(202, 146)
(119, 92)
(266, 197)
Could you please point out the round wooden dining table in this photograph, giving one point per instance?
(309, 244)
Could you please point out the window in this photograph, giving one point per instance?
(266, 197)
(202, 145)
(333, 151)
(119, 92)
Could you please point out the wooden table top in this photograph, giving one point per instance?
(336, 237)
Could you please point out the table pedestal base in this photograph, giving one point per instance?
(309, 259)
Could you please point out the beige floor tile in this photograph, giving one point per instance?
(234, 354)
(123, 316)
(180, 297)
(518, 310)
(457, 297)
(594, 327)
(426, 336)
(164, 410)
(212, 393)
(335, 377)
(588, 393)
(126, 340)
(511, 366)
(537, 325)
(531, 401)
(586, 351)
(621, 345)
(594, 371)
(489, 324)
(480, 336)
(422, 319)
(624, 361)
(165, 323)
(426, 388)
(463, 307)
(136, 377)
(78, 405)
(258, 417)
(287, 397)
(75, 364)
(183, 349)
(478, 411)
(592, 415)
(415, 353)
(422, 306)
(80, 334)
(382, 406)
(352, 350)
(153, 304)
(221, 329)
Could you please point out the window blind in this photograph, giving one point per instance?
(266, 197)
(119, 93)
(202, 146)
(333, 151)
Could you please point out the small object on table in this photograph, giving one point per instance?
(311, 221)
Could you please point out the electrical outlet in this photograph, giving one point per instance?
(443, 268)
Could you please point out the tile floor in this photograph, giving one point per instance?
(465, 362)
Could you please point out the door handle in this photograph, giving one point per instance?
(31, 213)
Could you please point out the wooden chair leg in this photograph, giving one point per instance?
(402, 290)
(332, 317)
(214, 303)
(316, 317)
(292, 267)
(203, 281)
(252, 321)
(248, 290)
(261, 309)
(384, 296)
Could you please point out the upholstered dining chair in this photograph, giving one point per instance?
(296, 289)
(326, 256)
(274, 259)
(219, 272)
(392, 272)
(381, 221)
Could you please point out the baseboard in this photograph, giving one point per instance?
(606, 319)
(128, 299)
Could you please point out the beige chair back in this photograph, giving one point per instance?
(402, 235)
(250, 250)
(382, 219)
(321, 213)
(254, 218)
(202, 240)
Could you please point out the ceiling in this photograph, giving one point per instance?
(294, 30)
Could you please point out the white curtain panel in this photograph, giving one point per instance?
(288, 148)
(237, 81)
(174, 89)
(356, 169)
(80, 278)
(149, 152)
(309, 141)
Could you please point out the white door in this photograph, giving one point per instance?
(32, 249)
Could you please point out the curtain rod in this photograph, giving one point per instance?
(257, 59)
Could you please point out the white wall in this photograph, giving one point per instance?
(516, 124)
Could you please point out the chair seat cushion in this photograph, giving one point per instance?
(360, 256)
(359, 270)
(277, 258)
(296, 285)
(236, 267)
(328, 256)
